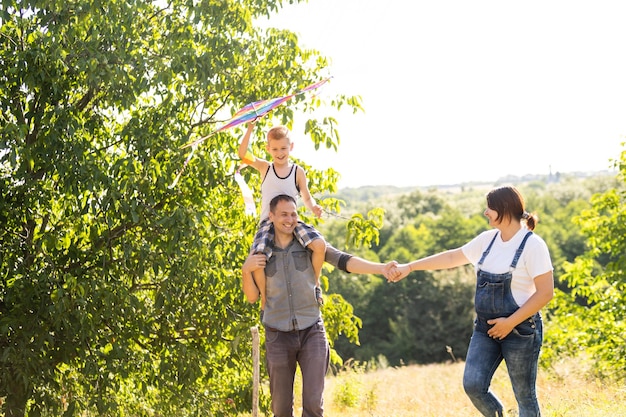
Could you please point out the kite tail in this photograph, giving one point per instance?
(246, 192)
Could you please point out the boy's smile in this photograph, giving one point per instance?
(279, 149)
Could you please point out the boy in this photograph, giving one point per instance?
(280, 176)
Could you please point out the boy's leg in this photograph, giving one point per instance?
(310, 238)
(262, 244)
(318, 249)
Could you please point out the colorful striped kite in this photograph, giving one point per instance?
(248, 113)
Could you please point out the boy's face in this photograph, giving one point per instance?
(279, 149)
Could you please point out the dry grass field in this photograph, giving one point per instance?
(436, 391)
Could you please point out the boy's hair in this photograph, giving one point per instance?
(277, 133)
(279, 198)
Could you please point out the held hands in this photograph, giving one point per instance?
(400, 271)
(390, 270)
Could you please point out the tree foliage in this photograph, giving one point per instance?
(416, 320)
(413, 321)
(120, 294)
(592, 316)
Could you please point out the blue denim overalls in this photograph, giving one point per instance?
(519, 349)
(493, 297)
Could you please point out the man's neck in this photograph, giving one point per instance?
(282, 240)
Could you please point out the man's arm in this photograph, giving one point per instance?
(252, 263)
(362, 266)
(349, 263)
(442, 260)
(342, 260)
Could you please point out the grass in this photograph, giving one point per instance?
(436, 391)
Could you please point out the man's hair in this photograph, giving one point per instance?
(277, 133)
(278, 199)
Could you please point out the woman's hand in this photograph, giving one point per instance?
(500, 329)
(401, 271)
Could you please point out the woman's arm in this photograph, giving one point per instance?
(443, 260)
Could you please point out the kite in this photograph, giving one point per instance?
(255, 110)
(249, 112)
(246, 192)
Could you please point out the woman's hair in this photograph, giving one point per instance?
(509, 204)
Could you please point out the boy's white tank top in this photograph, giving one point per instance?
(274, 185)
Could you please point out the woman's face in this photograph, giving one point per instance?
(492, 215)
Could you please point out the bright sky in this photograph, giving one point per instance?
(458, 90)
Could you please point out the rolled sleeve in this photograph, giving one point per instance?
(337, 258)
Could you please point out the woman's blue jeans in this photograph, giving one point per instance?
(520, 351)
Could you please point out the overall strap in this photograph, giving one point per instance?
(486, 252)
(519, 251)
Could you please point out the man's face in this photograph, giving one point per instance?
(284, 217)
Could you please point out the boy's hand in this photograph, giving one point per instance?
(254, 262)
(317, 210)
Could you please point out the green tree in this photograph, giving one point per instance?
(119, 294)
(356, 289)
(592, 317)
(413, 321)
(417, 203)
(434, 317)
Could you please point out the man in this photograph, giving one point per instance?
(294, 329)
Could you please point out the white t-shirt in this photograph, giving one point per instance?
(534, 261)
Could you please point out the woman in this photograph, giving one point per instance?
(514, 281)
